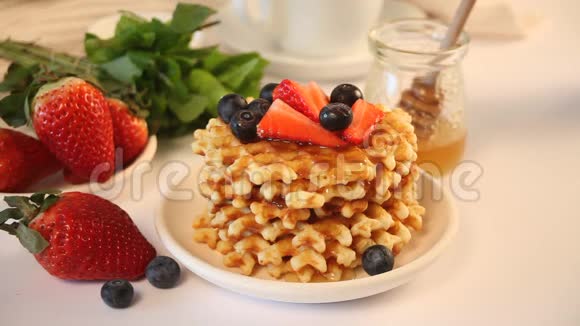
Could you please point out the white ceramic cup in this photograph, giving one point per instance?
(311, 27)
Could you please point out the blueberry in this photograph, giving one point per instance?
(335, 116)
(163, 272)
(230, 104)
(259, 106)
(267, 90)
(117, 293)
(346, 93)
(244, 125)
(377, 259)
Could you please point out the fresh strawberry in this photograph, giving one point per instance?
(78, 236)
(71, 178)
(23, 161)
(319, 98)
(365, 116)
(72, 118)
(283, 122)
(298, 97)
(130, 132)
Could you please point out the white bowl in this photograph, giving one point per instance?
(173, 224)
(57, 182)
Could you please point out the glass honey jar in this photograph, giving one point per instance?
(412, 72)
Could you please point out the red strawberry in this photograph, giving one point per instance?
(23, 161)
(283, 122)
(298, 97)
(130, 132)
(78, 236)
(317, 95)
(365, 116)
(72, 118)
(71, 178)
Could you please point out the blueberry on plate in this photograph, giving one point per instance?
(377, 259)
(335, 116)
(163, 272)
(244, 125)
(230, 104)
(259, 106)
(346, 93)
(117, 293)
(267, 91)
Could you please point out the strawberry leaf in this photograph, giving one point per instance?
(22, 203)
(10, 214)
(39, 197)
(17, 77)
(12, 109)
(48, 202)
(31, 239)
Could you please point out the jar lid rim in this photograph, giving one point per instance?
(461, 43)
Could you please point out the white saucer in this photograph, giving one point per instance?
(173, 224)
(239, 37)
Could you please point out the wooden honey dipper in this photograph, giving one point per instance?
(421, 100)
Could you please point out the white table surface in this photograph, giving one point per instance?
(516, 258)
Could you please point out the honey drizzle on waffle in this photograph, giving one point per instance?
(304, 212)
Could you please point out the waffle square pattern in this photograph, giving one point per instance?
(303, 212)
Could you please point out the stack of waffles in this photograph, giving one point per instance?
(305, 212)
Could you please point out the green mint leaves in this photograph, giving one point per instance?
(176, 85)
(149, 64)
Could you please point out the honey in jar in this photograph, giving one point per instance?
(407, 54)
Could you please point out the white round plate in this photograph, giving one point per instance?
(57, 181)
(105, 27)
(173, 224)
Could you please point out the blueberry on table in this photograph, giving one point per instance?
(244, 125)
(230, 104)
(117, 293)
(346, 93)
(259, 106)
(377, 259)
(267, 91)
(335, 116)
(163, 272)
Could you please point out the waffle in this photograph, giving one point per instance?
(303, 212)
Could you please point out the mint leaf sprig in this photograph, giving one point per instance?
(147, 63)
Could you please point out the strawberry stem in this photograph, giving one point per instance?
(21, 212)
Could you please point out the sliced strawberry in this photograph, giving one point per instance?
(298, 97)
(365, 116)
(319, 98)
(283, 122)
